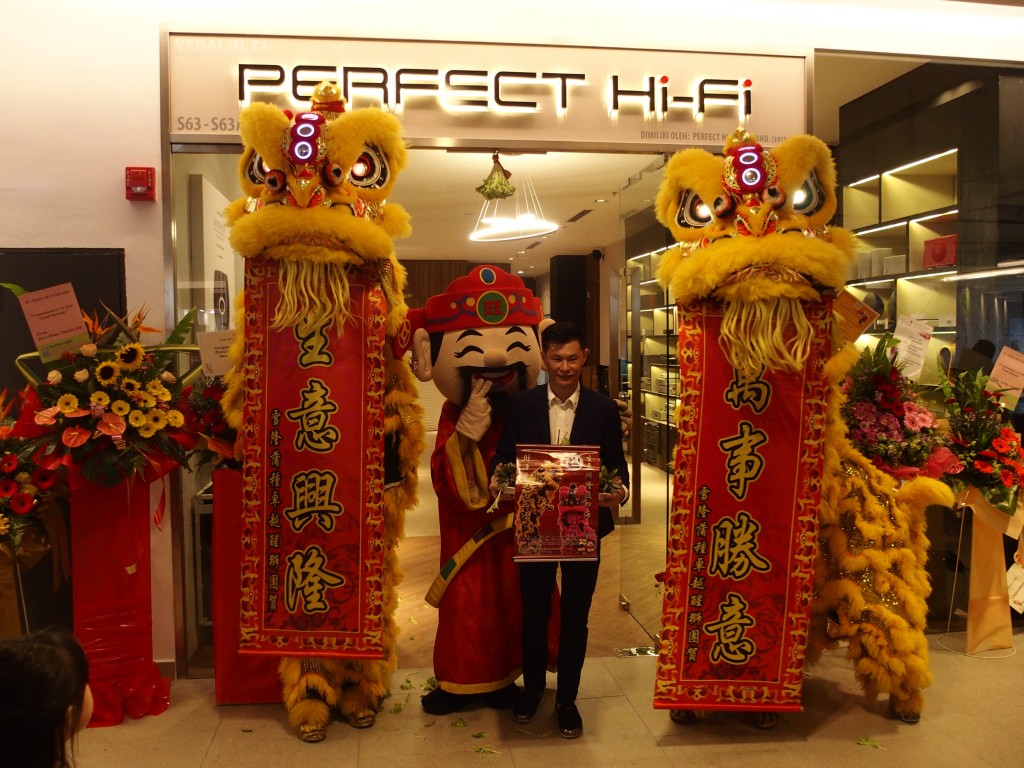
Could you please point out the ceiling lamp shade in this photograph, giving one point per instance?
(509, 212)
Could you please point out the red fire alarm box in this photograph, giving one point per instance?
(140, 183)
(940, 252)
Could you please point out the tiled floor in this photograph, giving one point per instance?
(972, 715)
(972, 718)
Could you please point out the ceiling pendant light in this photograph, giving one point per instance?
(509, 212)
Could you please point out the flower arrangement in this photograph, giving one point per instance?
(110, 409)
(886, 422)
(204, 417)
(22, 482)
(987, 447)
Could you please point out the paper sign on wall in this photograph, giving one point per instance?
(1007, 377)
(913, 337)
(213, 351)
(54, 319)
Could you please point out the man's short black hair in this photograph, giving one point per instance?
(562, 332)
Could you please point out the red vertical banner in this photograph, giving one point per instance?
(313, 476)
(743, 524)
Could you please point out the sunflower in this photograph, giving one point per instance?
(107, 373)
(67, 404)
(157, 419)
(5, 526)
(131, 356)
(175, 418)
(136, 418)
(99, 398)
(120, 407)
(145, 399)
(147, 430)
(153, 386)
(130, 386)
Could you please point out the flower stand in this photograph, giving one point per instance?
(112, 596)
(239, 679)
(988, 605)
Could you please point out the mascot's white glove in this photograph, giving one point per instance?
(475, 419)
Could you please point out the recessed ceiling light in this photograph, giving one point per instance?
(600, 200)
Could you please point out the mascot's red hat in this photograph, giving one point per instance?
(488, 295)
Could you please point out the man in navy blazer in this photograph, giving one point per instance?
(561, 412)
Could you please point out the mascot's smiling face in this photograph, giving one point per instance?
(753, 234)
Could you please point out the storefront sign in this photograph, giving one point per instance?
(458, 94)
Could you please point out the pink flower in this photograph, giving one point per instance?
(917, 417)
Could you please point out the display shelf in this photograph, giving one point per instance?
(652, 368)
(896, 211)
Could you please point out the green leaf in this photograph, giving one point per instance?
(868, 742)
(479, 734)
(17, 290)
(485, 751)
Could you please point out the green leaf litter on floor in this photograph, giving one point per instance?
(430, 684)
(485, 751)
(867, 742)
(479, 734)
(460, 723)
(407, 685)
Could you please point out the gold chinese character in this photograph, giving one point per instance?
(315, 431)
(306, 580)
(731, 644)
(734, 548)
(314, 346)
(313, 499)
(743, 464)
(748, 390)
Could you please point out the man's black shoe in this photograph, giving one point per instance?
(570, 724)
(526, 706)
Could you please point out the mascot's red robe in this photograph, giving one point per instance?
(478, 646)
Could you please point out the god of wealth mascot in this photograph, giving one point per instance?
(784, 539)
(327, 415)
(479, 342)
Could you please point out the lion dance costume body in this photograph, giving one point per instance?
(756, 257)
(314, 223)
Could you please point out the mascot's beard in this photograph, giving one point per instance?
(770, 334)
(467, 373)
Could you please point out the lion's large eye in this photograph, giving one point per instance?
(693, 212)
(371, 170)
(810, 198)
(255, 171)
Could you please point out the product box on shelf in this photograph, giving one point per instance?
(895, 265)
(940, 252)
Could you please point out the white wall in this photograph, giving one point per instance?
(81, 96)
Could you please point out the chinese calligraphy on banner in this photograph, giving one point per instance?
(556, 502)
(743, 525)
(313, 477)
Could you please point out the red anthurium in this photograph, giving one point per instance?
(74, 437)
(111, 424)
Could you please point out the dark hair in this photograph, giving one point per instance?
(42, 675)
(562, 332)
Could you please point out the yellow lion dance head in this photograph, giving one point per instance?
(752, 231)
